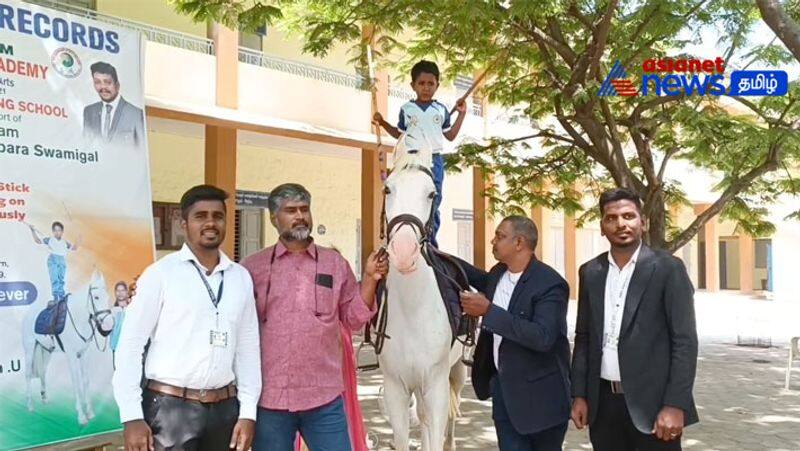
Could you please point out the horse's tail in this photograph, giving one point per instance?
(41, 357)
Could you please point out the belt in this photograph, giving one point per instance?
(205, 396)
(615, 386)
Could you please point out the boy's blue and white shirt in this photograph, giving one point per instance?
(424, 124)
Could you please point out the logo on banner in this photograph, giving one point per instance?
(617, 83)
(66, 62)
(693, 77)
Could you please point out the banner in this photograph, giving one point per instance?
(75, 218)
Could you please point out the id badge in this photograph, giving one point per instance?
(219, 339)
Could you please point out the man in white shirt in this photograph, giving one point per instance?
(522, 357)
(203, 366)
(635, 352)
(112, 120)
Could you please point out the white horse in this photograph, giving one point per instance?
(87, 316)
(417, 358)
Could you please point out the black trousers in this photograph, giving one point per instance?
(508, 439)
(179, 424)
(613, 429)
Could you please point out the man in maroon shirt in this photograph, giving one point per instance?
(303, 292)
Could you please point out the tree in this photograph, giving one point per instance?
(547, 61)
(782, 23)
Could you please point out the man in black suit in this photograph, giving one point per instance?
(522, 356)
(635, 350)
(112, 120)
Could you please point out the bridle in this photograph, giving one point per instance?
(97, 316)
(425, 230)
(95, 320)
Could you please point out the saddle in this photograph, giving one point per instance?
(51, 320)
(452, 280)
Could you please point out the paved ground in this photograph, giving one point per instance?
(739, 389)
(739, 392)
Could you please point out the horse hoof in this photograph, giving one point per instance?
(90, 415)
(30, 406)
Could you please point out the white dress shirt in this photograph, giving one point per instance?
(103, 107)
(618, 281)
(502, 297)
(173, 309)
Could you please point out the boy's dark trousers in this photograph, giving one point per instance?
(438, 181)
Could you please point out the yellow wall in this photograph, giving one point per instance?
(176, 164)
(732, 261)
(152, 12)
(334, 184)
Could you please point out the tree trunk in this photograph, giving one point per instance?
(657, 224)
(784, 27)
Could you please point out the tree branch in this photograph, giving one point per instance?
(576, 13)
(643, 26)
(649, 44)
(784, 27)
(752, 106)
(564, 51)
(770, 164)
(600, 38)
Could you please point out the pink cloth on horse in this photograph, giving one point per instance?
(355, 420)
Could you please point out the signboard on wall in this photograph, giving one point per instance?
(252, 199)
(75, 217)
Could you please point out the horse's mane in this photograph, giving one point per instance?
(403, 160)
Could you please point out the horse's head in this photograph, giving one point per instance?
(410, 193)
(98, 303)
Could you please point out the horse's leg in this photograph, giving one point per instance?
(395, 398)
(77, 384)
(87, 399)
(44, 357)
(435, 401)
(458, 378)
(30, 352)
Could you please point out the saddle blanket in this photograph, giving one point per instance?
(52, 319)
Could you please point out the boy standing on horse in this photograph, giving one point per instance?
(425, 121)
(57, 261)
(304, 292)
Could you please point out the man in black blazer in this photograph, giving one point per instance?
(635, 352)
(522, 355)
(112, 120)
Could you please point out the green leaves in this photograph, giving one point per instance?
(242, 15)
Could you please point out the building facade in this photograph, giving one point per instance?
(248, 111)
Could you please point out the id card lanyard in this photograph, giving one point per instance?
(214, 298)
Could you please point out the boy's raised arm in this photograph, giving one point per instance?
(461, 109)
(390, 129)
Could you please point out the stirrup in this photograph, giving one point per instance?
(466, 356)
(367, 366)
